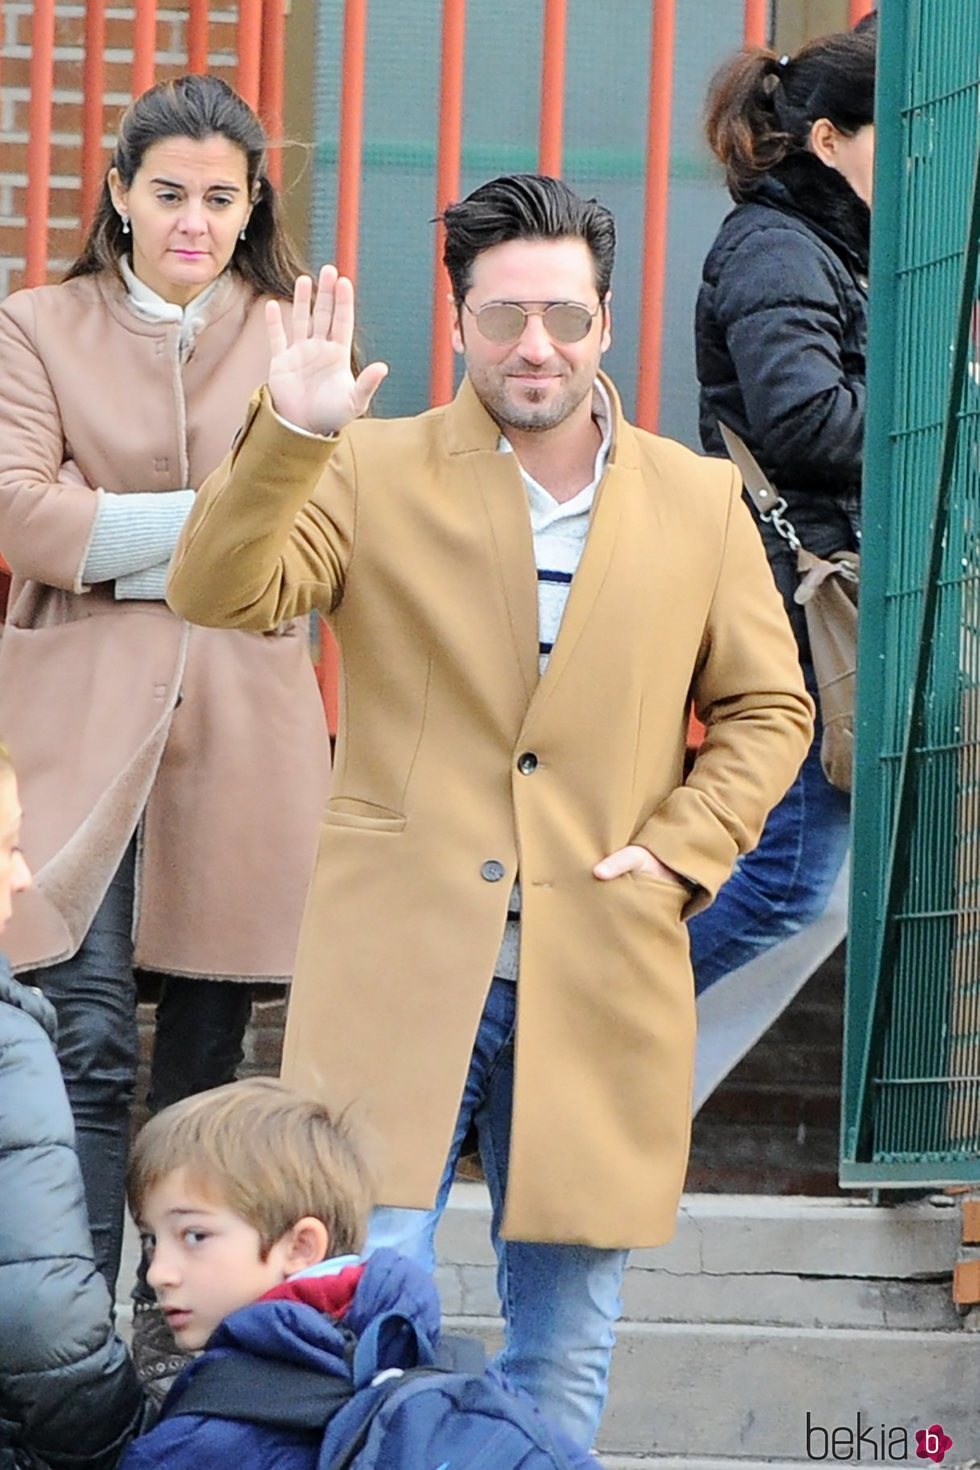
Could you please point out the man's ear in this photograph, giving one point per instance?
(457, 325)
(606, 339)
(305, 1244)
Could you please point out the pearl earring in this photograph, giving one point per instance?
(125, 224)
(241, 233)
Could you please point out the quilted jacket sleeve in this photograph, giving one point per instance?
(783, 320)
(68, 1391)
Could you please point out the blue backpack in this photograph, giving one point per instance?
(428, 1417)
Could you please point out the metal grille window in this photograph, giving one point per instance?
(912, 1026)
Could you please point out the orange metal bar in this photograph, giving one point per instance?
(447, 190)
(859, 9)
(350, 151)
(144, 46)
(93, 92)
(655, 225)
(271, 82)
(197, 36)
(351, 136)
(249, 50)
(552, 87)
(328, 674)
(39, 142)
(757, 22)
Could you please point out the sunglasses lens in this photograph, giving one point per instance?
(566, 322)
(501, 321)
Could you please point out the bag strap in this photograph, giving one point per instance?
(759, 488)
(262, 1391)
(521, 1414)
(385, 1391)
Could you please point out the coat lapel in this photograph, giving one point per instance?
(473, 436)
(472, 439)
(621, 479)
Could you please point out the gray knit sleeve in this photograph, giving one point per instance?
(135, 531)
(147, 585)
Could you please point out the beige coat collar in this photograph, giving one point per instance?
(471, 431)
(112, 289)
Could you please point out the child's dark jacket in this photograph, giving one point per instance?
(307, 1322)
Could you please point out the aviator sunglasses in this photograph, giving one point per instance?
(504, 321)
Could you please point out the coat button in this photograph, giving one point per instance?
(492, 871)
(527, 763)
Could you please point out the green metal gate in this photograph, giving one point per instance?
(912, 1020)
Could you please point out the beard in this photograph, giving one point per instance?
(535, 410)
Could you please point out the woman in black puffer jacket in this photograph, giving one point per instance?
(68, 1392)
(781, 333)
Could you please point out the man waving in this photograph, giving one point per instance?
(528, 592)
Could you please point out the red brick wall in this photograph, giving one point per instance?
(64, 205)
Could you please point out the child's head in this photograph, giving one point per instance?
(15, 875)
(238, 1188)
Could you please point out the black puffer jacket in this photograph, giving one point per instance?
(68, 1392)
(781, 342)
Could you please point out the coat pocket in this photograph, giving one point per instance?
(351, 811)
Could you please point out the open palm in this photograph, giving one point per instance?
(310, 380)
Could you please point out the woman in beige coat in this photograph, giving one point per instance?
(172, 777)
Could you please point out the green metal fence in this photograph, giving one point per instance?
(912, 1022)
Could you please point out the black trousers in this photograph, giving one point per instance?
(199, 1033)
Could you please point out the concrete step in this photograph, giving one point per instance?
(687, 1390)
(763, 1319)
(760, 1260)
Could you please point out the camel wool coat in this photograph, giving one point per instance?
(414, 535)
(118, 713)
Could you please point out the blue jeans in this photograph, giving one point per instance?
(781, 886)
(560, 1302)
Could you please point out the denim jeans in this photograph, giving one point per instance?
(560, 1302)
(200, 1026)
(784, 883)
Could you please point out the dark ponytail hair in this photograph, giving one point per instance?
(197, 107)
(761, 107)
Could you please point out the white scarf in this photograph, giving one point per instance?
(146, 303)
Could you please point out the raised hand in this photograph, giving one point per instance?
(310, 381)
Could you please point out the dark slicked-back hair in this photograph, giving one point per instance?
(525, 207)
